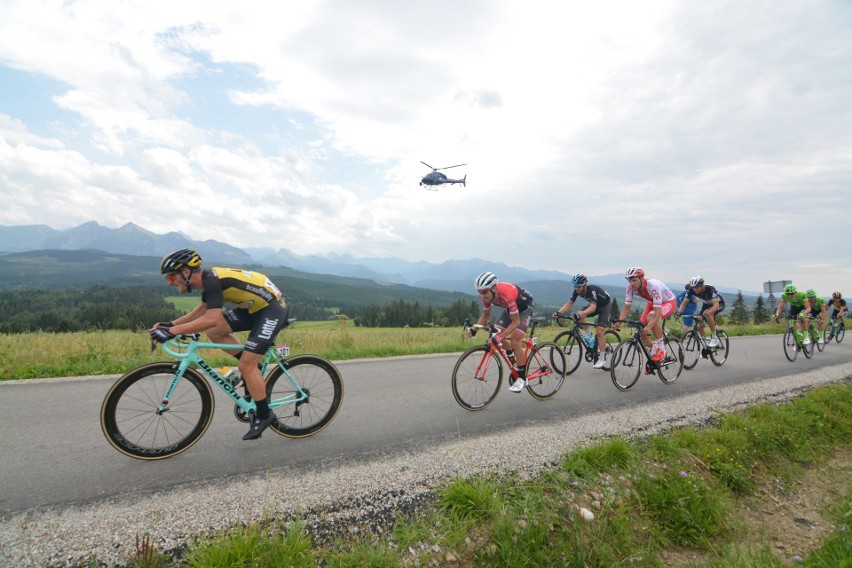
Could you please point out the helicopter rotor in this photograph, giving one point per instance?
(444, 168)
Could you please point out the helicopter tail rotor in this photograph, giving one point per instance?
(464, 180)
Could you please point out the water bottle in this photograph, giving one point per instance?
(232, 374)
(587, 337)
(510, 353)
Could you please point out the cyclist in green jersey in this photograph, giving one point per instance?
(798, 303)
(260, 310)
(819, 309)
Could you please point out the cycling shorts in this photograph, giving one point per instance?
(263, 325)
(505, 320)
(667, 309)
(603, 313)
(706, 307)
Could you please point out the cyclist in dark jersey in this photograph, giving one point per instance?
(714, 303)
(260, 310)
(514, 320)
(599, 305)
(837, 305)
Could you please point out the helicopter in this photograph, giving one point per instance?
(435, 177)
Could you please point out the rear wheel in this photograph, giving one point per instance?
(626, 364)
(137, 424)
(719, 354)
(319, 380)
(572, 348)
(477, 377)
(672, 365)
(544, 370)
(691, 347)
(791, 348)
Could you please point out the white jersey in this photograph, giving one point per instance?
(654, 291)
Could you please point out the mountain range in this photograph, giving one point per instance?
(452, 275)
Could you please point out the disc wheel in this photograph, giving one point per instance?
(136, 423)
(719, 354)
(545, 370)
(627, 363)
(319, 380)
(477, 377)
(672, 365)
(572, 347)
(691, 347)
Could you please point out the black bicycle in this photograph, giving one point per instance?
(632, 356)
(577, 346)
(695, 345)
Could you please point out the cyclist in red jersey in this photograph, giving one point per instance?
(513, 321)
(661, 304)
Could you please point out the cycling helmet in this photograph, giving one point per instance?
(790, 289)
(696, 281)
(579, 280)
(634, 271)
(811, 293)
(836, 296)
(486, 281)
(183, 258)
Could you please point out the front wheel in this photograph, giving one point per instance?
(544, 370)
(719, 354)
(137, 423)
(691, 347)
(672, 365)
(791, 345)
(572, 347)
(477, 377)
(626, 364)
(307, 400)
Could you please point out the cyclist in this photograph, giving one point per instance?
(260, 310)
(599, 305)
(513, 322)
(819, 309)
(714, 303)
(798, 302)
(691, 306)
(661, 304)
(838, 306)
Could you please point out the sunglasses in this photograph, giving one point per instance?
(171, 277)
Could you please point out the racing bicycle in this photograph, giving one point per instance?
(161, 409)
(793, 344)
(695, 345)
(478, 373)
(576, 346)
(631, 356)
(835, 329)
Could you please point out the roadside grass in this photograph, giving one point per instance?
(676, 498)
(42, 354)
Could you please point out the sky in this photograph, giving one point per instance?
(710, 138)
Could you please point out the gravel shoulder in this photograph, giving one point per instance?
(356, 496)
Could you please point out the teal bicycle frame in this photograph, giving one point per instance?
(190, 357)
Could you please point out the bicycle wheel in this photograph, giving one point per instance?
(672, 365)
(626, 364)
(808, 349)
(719, 354)
(572, 347)
(544, 377)
(691, 347)
(320, 380)
(791, 348)
(477, 377)
(135, 425)
(840, 332)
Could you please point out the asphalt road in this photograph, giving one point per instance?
(55, 454)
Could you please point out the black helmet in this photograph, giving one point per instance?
(183, 258)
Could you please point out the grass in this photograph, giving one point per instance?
(659, 501)
(41, 354)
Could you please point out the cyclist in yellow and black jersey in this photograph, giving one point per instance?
(260, 310)
(837, 305)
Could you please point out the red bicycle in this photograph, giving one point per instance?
(478, 374)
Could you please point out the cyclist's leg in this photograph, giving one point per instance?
(646, 338)
(223, 331)
(518, 336)
(267, 323)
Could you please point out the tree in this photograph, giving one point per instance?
(739, 311)
(760, 315)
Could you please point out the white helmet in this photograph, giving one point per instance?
(696, 281)
(634, 271)
(485, 281)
